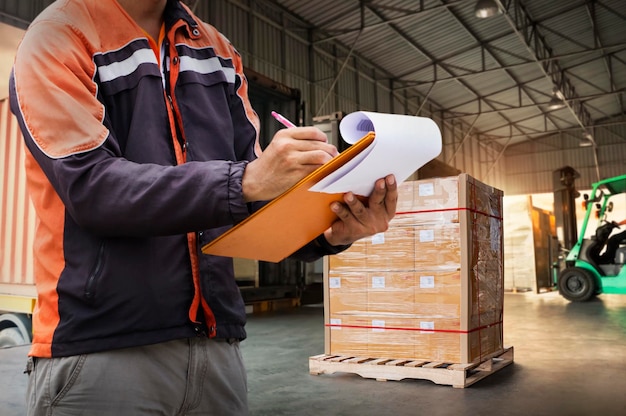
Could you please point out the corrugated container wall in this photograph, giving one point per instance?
(17, 214)
(367, 97)
(383, 98)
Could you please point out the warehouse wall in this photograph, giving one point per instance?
(530, 165)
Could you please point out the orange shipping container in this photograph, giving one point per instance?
(17, 214)
(17, 231)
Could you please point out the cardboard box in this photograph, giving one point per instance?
(436, 194)
(349, 334)
(438, 247)
(391, 337)
(434, 287)
(443, 281)
(391, 250)
(405, 196)
(347, 291)
(390, 292)
(352, 259)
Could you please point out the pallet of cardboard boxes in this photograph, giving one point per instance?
(425, 298)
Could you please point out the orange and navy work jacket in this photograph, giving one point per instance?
(135, 162)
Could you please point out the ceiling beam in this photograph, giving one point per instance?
(506, 107)
(492, 137)
(481, 43)
(606, 53)
(413, 44)
(521, 87)
(421, 12)
(528, 81)
(523, 25)
(525, 28)
(591, 11)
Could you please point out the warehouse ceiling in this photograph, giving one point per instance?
(493, 76)
(497, 75)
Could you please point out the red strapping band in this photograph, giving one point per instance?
(395, 328)
(450, 209)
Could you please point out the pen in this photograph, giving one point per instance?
(282, 120)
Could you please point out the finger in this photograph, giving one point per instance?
(342, 212)
(286, 143)
(313, 134)
(377, 197)
(356, 207)
(384, 197)
(302, 152)
(391, 196)
(313, 157)
(304, 133)
(313, 145)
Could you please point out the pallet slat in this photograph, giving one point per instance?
(383, 369)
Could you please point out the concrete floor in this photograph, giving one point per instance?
(570, 360)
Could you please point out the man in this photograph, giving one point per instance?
(143, 147)
(613, 243)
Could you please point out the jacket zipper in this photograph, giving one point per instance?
(192, 246)
(168, 94)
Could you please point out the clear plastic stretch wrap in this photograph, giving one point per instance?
(431, 286)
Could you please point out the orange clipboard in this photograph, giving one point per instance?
(289, 221)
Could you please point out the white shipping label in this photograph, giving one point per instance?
(378, 282)
(334, 282)
(334, 322)
(427, 282)
(378, 238)
(425, 326)
(426, 189)
(427, 235)
(379, 325)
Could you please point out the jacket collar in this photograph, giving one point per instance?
(174, 12)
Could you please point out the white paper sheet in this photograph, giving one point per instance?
(402, 145)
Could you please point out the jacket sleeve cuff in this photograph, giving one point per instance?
(323, 243)
(316, 249)
(239, 210)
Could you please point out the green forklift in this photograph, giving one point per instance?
(597, 265)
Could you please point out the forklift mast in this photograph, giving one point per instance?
(565, 195)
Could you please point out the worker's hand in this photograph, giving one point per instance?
(357, 221)
(292, 154)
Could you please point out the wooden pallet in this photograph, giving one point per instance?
(383, 369)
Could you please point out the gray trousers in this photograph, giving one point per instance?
(195, 376)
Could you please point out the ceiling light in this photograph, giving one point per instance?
(586, 141)
(487, 8)
(555, 103)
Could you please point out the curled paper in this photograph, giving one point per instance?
(402, 145)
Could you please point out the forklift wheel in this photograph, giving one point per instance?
(577, 285)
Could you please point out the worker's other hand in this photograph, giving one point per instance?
(356, 220)
(292, 154)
